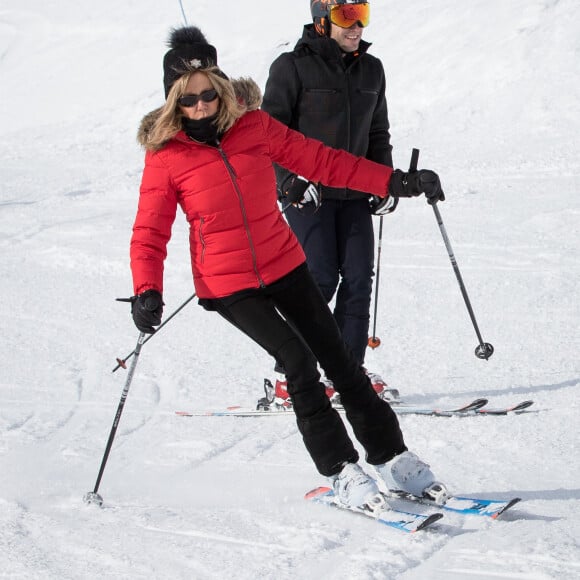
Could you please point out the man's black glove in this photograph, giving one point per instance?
(147, 309)
(383, 205)
(301, 193)
(415, 183)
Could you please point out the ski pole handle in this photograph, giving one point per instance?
(414, 160)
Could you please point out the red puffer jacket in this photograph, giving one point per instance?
(238, 237)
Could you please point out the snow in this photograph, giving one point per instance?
(490, 93)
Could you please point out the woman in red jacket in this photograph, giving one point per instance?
(210, 150)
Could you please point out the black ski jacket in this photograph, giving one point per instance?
(337, 99)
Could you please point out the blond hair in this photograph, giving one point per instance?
(168, 119)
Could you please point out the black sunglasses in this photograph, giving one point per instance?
(192, 100)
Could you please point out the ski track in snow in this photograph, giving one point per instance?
(494, 108)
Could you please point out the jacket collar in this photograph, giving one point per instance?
(324, 46)
(246, 90)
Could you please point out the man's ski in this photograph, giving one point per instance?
(237, 411)
(491, 508)
(274, 410)
(380, 511)
(393, 398)
(475, 408)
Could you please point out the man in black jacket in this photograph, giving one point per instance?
(331, 89)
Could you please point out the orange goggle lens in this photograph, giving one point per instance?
(345, 15)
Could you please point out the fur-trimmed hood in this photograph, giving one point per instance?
(247, 91)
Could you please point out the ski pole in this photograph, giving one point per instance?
(484, 349)
(183, 13)
(121, 361)
(94, 496)
(374, 341)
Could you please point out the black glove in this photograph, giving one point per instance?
(301, 193)
(383, 205)
(415, 183)
(147, 309)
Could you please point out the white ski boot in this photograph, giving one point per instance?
(407, 473)
(353, 487)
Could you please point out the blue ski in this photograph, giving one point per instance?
(381, 512)
(491, 508)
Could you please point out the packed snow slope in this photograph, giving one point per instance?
(489, 91)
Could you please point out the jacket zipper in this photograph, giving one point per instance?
(233, 177)
(348, 111)
(201, 238)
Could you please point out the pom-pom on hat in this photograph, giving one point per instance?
(188, 50)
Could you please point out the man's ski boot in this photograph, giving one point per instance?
(276, 397)
(331, 392)
(381, 387)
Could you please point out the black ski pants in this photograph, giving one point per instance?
(292, 322)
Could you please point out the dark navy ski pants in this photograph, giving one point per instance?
(338, 241)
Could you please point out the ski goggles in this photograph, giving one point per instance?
(192, 100)
(345, 15)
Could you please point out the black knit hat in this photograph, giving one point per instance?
(189, 50)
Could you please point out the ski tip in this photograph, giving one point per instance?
(480, 403)
(317, 491)
(195, 414)
(428, 521)
(475, 405)
(506, 507)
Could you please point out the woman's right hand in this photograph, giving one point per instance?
(147, 309)
(414, 183)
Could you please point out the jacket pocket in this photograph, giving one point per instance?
(368, 98)
(321, 100)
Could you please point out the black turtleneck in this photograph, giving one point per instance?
(202, 130)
